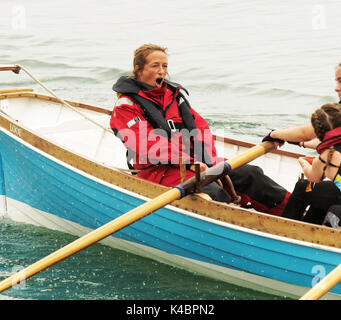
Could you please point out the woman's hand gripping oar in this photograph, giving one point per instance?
(178, 192)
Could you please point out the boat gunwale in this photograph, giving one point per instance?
(260, 222)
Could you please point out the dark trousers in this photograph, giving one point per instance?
(319, 196)
(251, 181)
(255, 188)
(216, 192)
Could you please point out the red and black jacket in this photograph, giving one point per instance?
(158, 126)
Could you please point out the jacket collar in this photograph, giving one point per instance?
(129, 85)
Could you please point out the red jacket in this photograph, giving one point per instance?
(158, 155)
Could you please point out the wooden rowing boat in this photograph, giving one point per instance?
(61, 171)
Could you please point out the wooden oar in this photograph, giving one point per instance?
(322, 287)
(138, 213)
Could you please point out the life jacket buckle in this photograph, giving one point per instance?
(171, 125)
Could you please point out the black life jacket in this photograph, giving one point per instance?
(151, 112)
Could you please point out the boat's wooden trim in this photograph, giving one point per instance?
(250, 145)
(26, 94)
(246, 218)
(15, 90)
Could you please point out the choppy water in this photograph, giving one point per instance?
(100, 272)
(249, 66)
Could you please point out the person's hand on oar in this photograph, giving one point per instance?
(277, 142)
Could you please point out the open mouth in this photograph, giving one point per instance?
(159, 81)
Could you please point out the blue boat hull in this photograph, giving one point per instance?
(41, 182)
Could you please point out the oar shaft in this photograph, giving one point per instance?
(322, 287)
(92, 237)
(250, 154)
(223, 168)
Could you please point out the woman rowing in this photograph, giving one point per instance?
(160, 129)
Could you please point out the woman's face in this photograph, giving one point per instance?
(155, 69)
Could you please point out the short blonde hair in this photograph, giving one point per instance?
(140, 55)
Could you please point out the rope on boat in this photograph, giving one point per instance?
(62, 100)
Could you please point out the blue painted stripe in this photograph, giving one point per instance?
(182, 190)
(2, 179)
(337, 181)
(228, 166)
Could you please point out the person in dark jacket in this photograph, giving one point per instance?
(159, 128)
